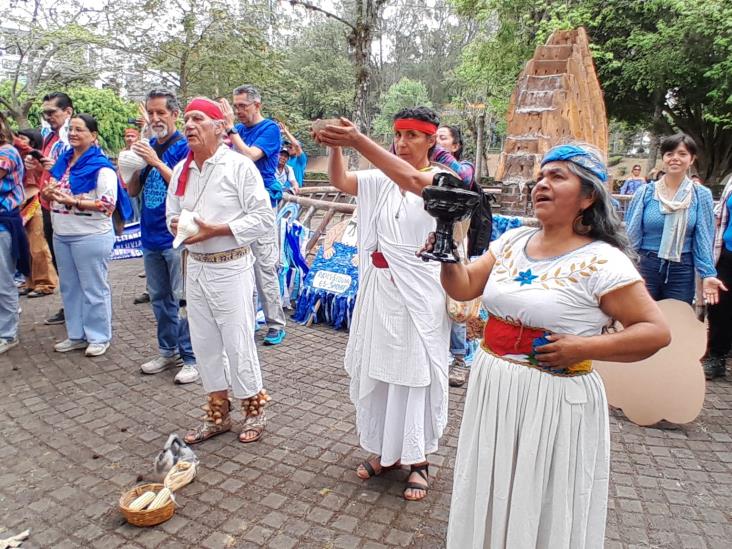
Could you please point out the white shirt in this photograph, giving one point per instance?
(71, 221)
(229, 189)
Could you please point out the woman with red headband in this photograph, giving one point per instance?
(397, 353)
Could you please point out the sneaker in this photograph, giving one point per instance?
(274, 336)
(144, 297)
(24, 290)
(96, 349)
(188, 374)
(58, 318)
(36, 293)
(70, 345)
(7, 344)
(159, 364)
(458, 372)
(714, 367)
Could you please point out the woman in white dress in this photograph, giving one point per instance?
(397, 354)
(533, 456)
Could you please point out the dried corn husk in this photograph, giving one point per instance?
(180, 474)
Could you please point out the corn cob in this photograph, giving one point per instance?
(160, 500)
(141, 502)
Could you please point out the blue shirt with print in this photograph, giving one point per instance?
(154, 232)
(265, 136)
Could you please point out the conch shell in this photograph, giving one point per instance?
(128, 162)
(187, 226)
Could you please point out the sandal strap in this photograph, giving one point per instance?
(422, 470)
(416, 486)
(369, 469)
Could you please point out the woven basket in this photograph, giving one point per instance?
(145, 518)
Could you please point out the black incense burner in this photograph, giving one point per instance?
(449, 202)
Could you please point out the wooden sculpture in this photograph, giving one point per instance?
(557, 99)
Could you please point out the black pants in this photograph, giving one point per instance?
(720, 315)
(48, 233)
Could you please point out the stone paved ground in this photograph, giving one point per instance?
(77, 431)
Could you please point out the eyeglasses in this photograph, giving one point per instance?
(243, 105)
(49, 112)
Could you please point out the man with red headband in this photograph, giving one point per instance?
(397, 354)
(223, 207)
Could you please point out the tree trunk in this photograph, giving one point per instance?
(479, 147)
(653, 146)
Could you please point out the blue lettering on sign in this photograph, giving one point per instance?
(155, 190)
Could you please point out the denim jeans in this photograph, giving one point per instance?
(668, 279)
(165, 286)
(83, 265)
(458, 346)
(8, 291)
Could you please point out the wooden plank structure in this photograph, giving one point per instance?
(557, 99)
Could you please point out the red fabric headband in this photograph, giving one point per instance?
(413, 124)
(206, 106)
(133, 131)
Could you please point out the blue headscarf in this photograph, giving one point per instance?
(83, 175)
(580, 156)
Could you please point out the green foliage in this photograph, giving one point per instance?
(403, 94)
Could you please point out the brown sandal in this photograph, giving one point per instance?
(254, 417)
(423, 471)
(216, 421)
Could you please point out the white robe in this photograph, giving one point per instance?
(397, 353)
(220, 295)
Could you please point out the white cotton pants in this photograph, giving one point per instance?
(221, 319)
(267, 280)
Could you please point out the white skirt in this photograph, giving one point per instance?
(533, 460)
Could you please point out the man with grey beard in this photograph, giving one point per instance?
(163, 269)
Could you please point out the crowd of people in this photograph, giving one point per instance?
(532, 463)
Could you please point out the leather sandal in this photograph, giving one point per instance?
(255, 419)
(423, 471)
(216, 421)
(372, 472)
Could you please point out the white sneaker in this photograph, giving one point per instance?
(96, 349)
(188, 374)
(69, 345)
(7, 344)
(159, 364)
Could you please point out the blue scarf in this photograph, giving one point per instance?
(83, 175)
(577, 155)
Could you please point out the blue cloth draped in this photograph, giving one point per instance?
(83, 175)
(19, 240)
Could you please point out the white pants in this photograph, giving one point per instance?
(221, 319)
(265, 274)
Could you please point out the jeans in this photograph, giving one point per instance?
(165, 286)
(8, 291)
(720, 315)
(83, 266)
(458, 346)
(668, 279)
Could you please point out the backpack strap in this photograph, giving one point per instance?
(160, 150)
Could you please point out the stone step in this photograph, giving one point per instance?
(532, 82)
(553, 53)
(541, 67)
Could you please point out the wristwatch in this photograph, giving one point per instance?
(231, 131)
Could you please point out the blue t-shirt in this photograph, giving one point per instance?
(265, 136)
(728, 231)
(154, 232)
(298, 164)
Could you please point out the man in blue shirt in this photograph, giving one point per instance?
(162, 262)
(260, 139)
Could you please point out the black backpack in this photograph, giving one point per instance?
(481, 223)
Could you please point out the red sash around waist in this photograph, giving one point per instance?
(504, 338)
(378, 260)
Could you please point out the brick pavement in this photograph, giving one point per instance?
(77, 431)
